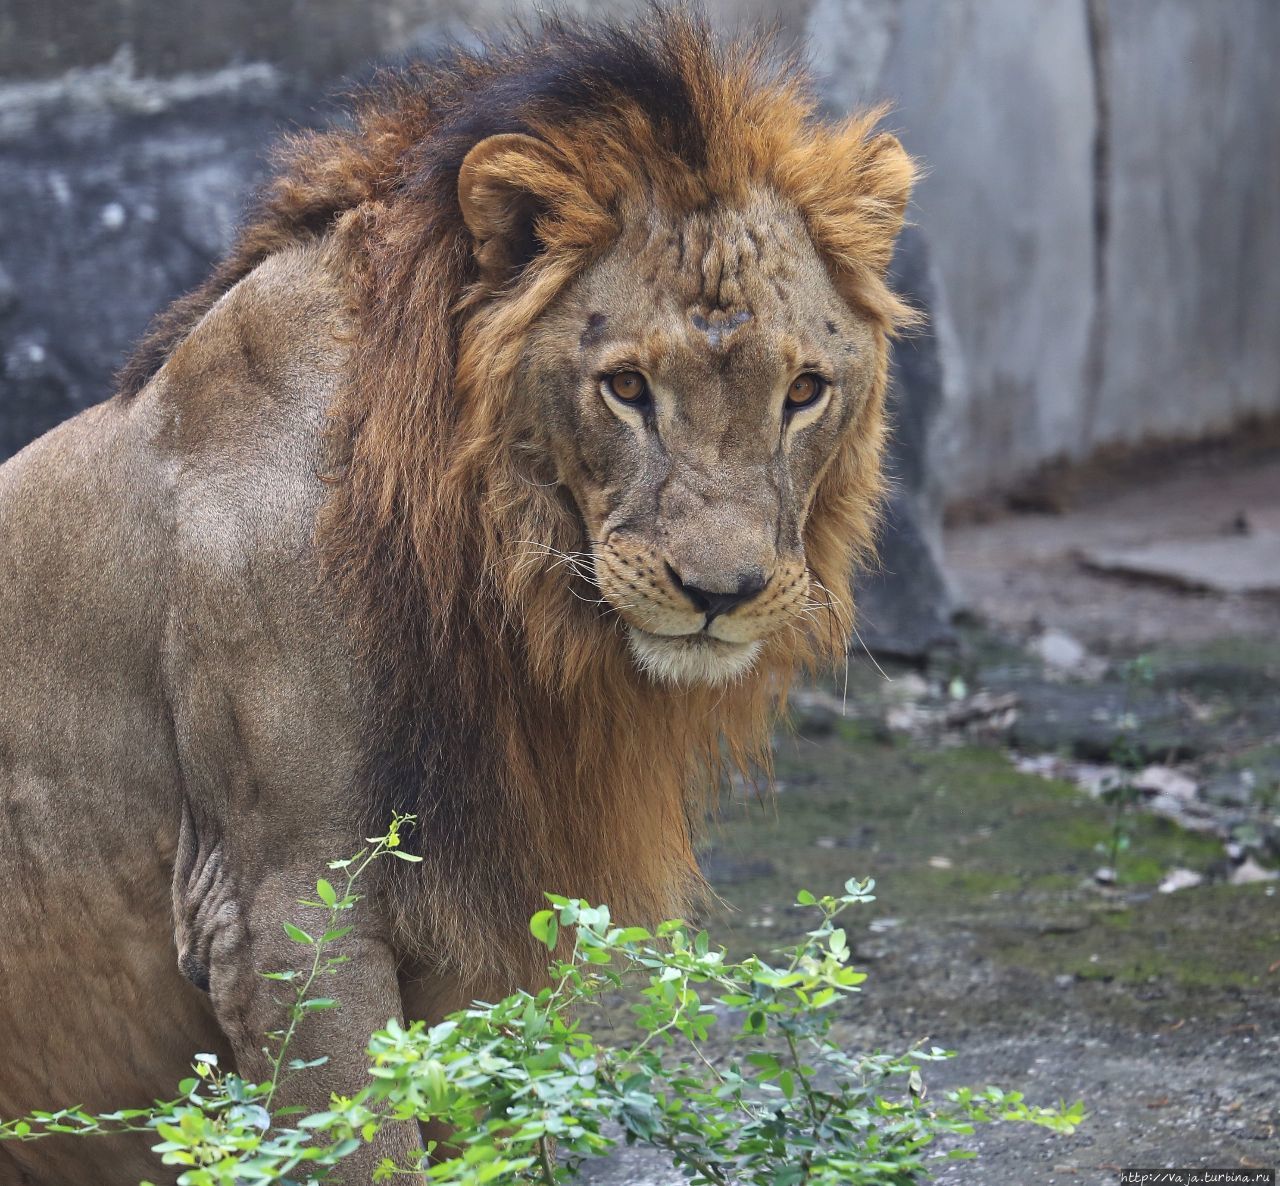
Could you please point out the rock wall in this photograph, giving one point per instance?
(116, 194)
(1103, 203)
(132, 132)
(1102, 207)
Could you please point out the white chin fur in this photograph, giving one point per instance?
(691, 659)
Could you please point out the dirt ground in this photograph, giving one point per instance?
(1023, 572)
(965, 790)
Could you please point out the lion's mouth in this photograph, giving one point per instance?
(685, 659)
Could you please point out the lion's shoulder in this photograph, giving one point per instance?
(247, 389)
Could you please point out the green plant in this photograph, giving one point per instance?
(530, 1092)
(1127, 756)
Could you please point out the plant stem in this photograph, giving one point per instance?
(345, 901)
(548, 1165)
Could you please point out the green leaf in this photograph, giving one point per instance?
(326, 893)
(297, 934)
(545, 928)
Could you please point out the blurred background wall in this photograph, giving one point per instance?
(1100, 222)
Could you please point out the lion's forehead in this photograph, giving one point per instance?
(726, 264)
(726, 288)
(728, 260)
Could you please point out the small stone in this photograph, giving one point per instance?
(1095, 777)
(826, 842)
(1065, 980)
(1059, 650)
(1250, 873)
(940, 862)
(1045, 765)
(1230, 790)
(909, 686)
(1180, 879)
(904, 718)
(1105, 876)
(26, 359)
(1164, 780)
(112, 216)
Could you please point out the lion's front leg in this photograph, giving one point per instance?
(230, 930)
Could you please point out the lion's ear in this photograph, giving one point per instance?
(852, 184)
(889, 175)
(505, 185)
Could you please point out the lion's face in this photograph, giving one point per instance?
(693, 386)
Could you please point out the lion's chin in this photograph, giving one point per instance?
(684, 660)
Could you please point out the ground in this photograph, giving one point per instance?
(1020, 918)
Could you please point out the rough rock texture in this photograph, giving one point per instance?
(996, 97)
(905, 606)
(316, 40)
(116, 194)
(1102, 201)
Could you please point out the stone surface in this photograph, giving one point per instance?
(1249, 872)
(116, 195)
(1059, 650)
(1229, 564)
(996, 98)
(1192, 200)
(316, 40)
(1180, 879)
(905, 605)
(1101, 199)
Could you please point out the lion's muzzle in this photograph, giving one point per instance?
(707, 631)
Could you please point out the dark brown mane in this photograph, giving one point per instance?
(510, 718)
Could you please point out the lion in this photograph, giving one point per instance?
(518, 453)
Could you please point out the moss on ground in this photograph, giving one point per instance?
(957, 838)
(1217, 936)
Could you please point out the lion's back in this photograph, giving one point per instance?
(107, 526)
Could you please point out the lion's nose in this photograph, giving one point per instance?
(714, 602)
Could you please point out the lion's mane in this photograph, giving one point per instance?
(508, 715)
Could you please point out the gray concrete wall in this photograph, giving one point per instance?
(1103, 205)
(312, 39)
(1190, 310)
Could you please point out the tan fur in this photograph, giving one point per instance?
(363, 532)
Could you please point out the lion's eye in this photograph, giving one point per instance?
(628, 386)
(805, 390)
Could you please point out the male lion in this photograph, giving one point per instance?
(520, 449)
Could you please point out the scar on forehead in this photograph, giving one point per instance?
(594, 331)
(719, 326)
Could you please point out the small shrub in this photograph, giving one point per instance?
(531, 1093)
